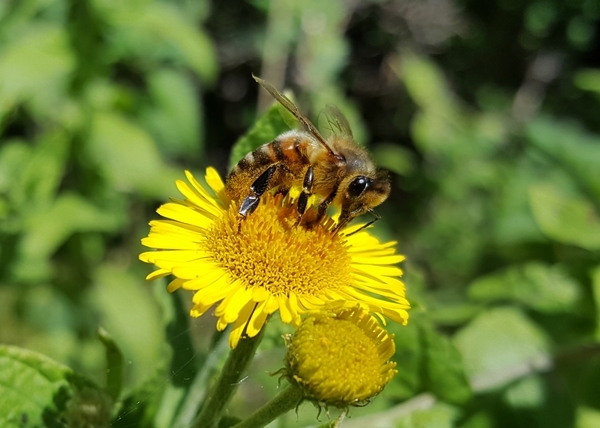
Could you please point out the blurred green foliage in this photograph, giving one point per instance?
(486, 114)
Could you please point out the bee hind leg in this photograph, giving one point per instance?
(257, 189)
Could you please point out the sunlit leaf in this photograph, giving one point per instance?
(174, 117)
(587, 417)
(595, 274)
(184, 360)
(14, 156)
(444, 367)
(70, 213)
(588, 79)
(501, 345)
(131, 315)
(572, 148)
(526, 393)
(37, 391)
(115, 364)
(536, 285)
(395, 158)
(478, 420)
(159, 31)
(409, 357)
(440, 416)
(568, 219)
(22, 77)
(38, 180)
(514, 223)
(191, 43)
(424, 81)
(444, 125)
(128, 157)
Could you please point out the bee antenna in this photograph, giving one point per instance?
(364, 226)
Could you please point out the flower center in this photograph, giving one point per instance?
(336, 361)
(267, 249)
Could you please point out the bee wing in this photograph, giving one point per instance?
(335, 121)
(288, 104)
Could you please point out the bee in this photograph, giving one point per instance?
(335, 169)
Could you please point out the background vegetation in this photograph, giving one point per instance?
(486, 114)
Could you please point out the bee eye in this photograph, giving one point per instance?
(357, 186)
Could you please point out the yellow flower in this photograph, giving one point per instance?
(340, 359)
(254, 266)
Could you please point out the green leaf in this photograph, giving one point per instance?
(443, 126)
(272, 123)
(22, 77)
(159, 31)
(32, 387)
(37, 391)
(40, 177)
(588, 79)
(128, 157)
(526, 393)
(424, 81)
(567, 219)
(587, 417)
(175, 117)
(114, 364)
(14, 156)
(596, 292)
(478, 420)
(501, 345)
(444, 368)
(184, 360)
(395, 158)
(437, 125)
(191, 43)
(439, 416)
(199, 388)
(574, 149)
(129, 312)
(45, 230)
(536, 285)
(70, 213)
(514, 223)
(408, 357)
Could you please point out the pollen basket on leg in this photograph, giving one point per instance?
(267, 250)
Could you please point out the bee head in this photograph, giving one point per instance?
(361, 193)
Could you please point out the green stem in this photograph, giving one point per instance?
(199, 387)
(237, 362)
(284, 402)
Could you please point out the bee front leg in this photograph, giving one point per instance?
(258, 188)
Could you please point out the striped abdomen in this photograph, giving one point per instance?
(292, 152)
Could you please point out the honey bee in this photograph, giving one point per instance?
(335, 169)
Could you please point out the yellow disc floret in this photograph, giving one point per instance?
(249, 267)
(341, 358)
(269, 251)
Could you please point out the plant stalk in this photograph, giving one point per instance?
(237, 362)
(283, 403)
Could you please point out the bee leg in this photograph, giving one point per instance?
(306, 192)
(322, 209)
(258, 188)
